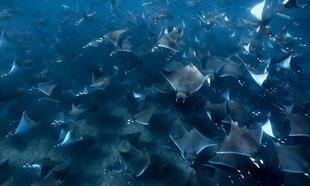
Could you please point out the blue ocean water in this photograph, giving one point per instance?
(154, 92)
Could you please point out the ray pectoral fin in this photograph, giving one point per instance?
(292, 158)
(144, 116)
(170, 78)
(25, 124)
(168, 43)
(47, 87)
(234, 161)
(68, 138)
(115, 36)
(177, 135)
(179, 142)
(257, 10)
(189, 142)
(267, 128)
(15, 67)
(237, 112)
(286, 63)
(241, 141)
(201, 142)
(300, 126)
(259, 78)
(171, 40)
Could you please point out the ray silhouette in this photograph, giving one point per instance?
(185, 80)
(135, 162)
